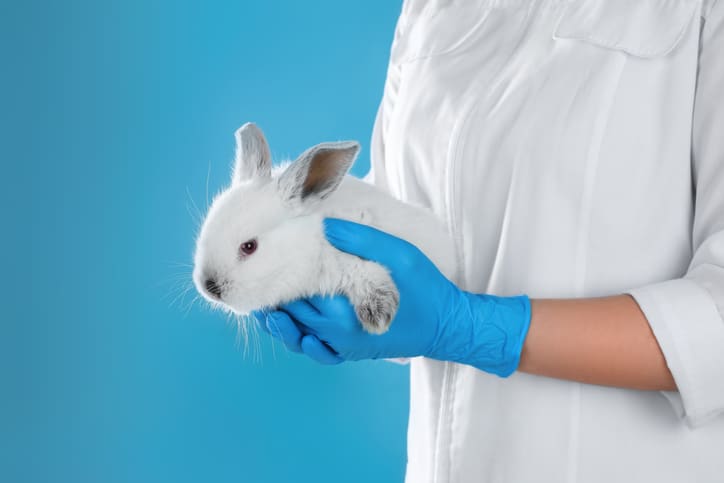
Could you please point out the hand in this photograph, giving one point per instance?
(435, 319)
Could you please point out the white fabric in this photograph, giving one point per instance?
(574, 148)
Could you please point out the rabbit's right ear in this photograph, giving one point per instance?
(318, 171)
(253, 159)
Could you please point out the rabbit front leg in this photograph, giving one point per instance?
(371, 291)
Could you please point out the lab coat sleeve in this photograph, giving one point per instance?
(687, 314)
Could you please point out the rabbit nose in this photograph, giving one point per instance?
(213, 288)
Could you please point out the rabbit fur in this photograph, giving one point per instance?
(262, 241)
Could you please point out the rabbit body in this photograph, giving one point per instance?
(262, 243)
(367, 284)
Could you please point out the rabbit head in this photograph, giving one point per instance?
(262, 240)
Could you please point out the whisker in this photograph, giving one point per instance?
(181, 296)
(174, 263)
(188, 192)
(199, 216)
(238, 339)
(174, 282)
(243, 328)
(194, 217)
(208, 175)
(191, 304)
(257, 342)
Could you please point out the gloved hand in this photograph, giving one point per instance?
(435, 319)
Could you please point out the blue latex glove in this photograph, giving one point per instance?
(435, 319)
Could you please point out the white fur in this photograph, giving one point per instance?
(293, 258)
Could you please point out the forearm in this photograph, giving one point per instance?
(604, 341)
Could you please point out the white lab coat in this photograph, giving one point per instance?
(575, 149)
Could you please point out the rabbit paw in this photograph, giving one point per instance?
(377, 306)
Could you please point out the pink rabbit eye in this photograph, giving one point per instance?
(248, 247)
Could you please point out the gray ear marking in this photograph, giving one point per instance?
(318, 171)
(253, 159)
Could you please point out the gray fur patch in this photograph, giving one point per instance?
(377, 309)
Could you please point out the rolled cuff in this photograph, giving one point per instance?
(690, 331)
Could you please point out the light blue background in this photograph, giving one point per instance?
(113, 115)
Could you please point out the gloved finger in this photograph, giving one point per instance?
(280, 326)
(318, 351)
(336, 308)
(367, 242)
(304, 314)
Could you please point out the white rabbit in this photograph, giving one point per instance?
(262, 242)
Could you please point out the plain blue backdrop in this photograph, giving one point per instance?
(115, 118)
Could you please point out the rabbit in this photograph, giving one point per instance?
(262, 241)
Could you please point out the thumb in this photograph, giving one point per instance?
(366, 242)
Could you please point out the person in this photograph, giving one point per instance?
(575, 151)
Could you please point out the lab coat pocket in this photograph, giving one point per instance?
(437, 30)
(641, 28)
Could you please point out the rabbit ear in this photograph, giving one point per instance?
(318, 171)
(253, 159)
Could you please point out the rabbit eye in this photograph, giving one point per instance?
(247, 248)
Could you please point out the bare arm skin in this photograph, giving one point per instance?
(605, 341)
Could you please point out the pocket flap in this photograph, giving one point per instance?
(642, 28)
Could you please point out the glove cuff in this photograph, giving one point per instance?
(487, 332)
